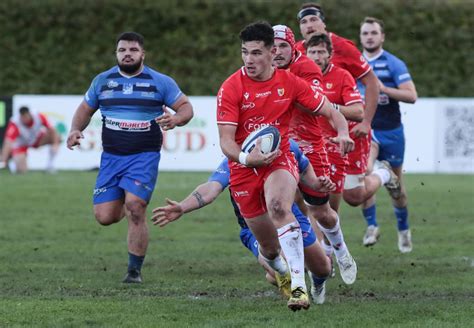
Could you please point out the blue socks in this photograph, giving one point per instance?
(370, 215)
(402, 218)
(317, 280)
(135, 262)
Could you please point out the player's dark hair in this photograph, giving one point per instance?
(318, 39)
(311, 8)
(132, 36)
(259, 31)
(24, 110)
(373, 20)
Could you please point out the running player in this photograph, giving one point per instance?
(305, 129)
(204, 194)
(387, 134)
(130, 97)
(28, 130)
(256, 95)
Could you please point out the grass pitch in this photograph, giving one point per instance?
(59, 268)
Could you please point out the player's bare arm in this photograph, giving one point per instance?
(203, 195)
(6, 151)
(232, 150)
(183, 114)
(322, 183)
(406, 92)
(346, 144)
(372, 90)
(80, 121)
(353, 112)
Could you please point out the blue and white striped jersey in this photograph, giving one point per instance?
(129, 106)
(392, 72)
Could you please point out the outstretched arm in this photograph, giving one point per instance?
(203, 195)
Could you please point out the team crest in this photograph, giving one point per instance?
(328, 85)
(281, 92)
(246, 95)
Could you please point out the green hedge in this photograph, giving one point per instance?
(57, 47)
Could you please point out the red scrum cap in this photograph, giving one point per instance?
(285, 33)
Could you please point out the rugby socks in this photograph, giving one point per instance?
(401, 213)
(335, 236)
(52, 155)
(291, 241)
(370, 215)
(278, 263)
(317, 280)
(383, 174)
(327, 248)
(135, 262)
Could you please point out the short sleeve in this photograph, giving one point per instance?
(227, 105)
(173, 92)
(400, 72)
(91, 97)
(307, 95)
(221, 174)
(349, 92)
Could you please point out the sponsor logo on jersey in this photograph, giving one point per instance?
(142, 84)
(127, 125)
(112, 84)
(247, 105)
(243, 193)
(150, 94)
(263, 94)
(254, 123)
(107, 94)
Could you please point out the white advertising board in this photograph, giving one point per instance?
(439, 136)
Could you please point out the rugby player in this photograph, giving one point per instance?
(388, 140)
(264, 185)
(130, 96)
(26, 130)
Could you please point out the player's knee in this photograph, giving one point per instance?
(136, 210)
(352, 198)
(277, 210)
(106, 218)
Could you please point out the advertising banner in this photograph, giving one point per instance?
(439, 136)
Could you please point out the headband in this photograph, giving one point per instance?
(310, 11)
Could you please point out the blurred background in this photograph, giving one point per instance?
(55, 47)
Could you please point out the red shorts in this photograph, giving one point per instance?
(338, 165)
(247, 184)
(24, 149)
(318, 158)
(359, 157)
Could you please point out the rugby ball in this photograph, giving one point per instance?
(270, 139)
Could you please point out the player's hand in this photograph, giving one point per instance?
(74, 138)
(167, 121)
(257, 159)
(324, 184)
(166, 214)
(346, 144)
(381, 86)
(361, 130)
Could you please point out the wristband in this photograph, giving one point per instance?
(243, 158)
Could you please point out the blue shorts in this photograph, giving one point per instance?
(309, 237)
(391, 145)
(136, 173)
